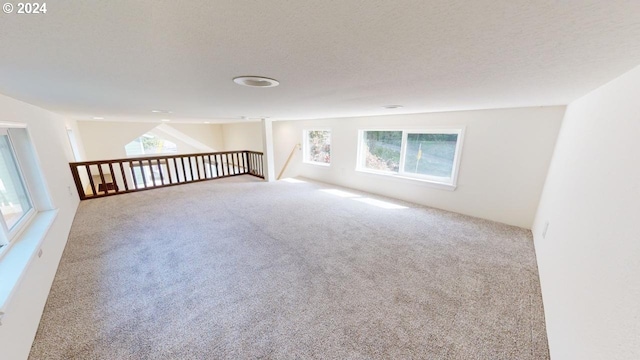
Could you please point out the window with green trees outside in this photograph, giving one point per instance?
(317, 147)
(430, 155)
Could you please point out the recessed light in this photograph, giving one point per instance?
(392, 106)
(98, 118)
(255, 81)
(161, 111)
(207, 122)
(165, 120)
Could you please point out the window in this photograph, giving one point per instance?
(25, 204)
(15, 201)
(429, 155)
(317, 147)
(381, 150)
(149, 144)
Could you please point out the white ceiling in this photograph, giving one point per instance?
(119, 59)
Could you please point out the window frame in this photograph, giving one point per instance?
(305, 146)
(8, 236)
(26, 240)
(448, 183)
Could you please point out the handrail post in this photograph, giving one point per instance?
(248, 162)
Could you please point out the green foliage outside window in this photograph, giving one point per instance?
(152, 144)
(319, 146)
(382, 150)
(429, 154)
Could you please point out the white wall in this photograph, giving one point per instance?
(207, 134)
(505, 158)
(243, 136)
(52, 146)
(589, 261)
(106, 140)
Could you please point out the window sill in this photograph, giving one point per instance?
(324, 165)
(430, 183)
(20, 253)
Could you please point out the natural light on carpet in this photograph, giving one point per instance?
(340, 193)
(370, 201)
(380, 203)
(293, 181)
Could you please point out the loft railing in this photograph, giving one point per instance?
(101, 178)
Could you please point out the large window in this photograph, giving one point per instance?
(317, 147)
(430, 155)
(15, 203)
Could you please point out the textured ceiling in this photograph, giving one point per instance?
(121, 59)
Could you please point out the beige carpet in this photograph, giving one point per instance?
(243, 270)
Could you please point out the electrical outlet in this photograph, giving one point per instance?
(69, 190)
(40, 253)
(544, 231)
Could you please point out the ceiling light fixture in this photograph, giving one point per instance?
(392, 106)
(165, 120)
(98, 118)
(207, 122)
(255, 81)
(161, 111)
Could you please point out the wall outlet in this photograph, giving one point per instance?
(40, 253)
(544, 231)
(69, 190)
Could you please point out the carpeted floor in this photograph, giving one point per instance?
(239, 269)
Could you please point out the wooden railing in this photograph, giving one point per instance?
(101, 178)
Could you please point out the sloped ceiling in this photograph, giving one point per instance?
(120, 59)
